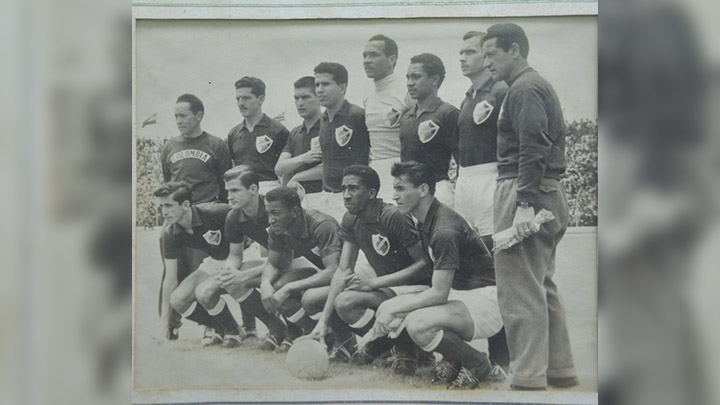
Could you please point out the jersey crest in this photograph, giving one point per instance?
(381, 244)
(263, 143)
(391, 116)
(343, 135)
(315, 143)
(482, 112)
(427, 131)
(213, 237)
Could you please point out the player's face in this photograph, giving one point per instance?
(279, 217)
(306, 102)
(419, 84)
(355, 194)
(172, 210)
(186, 121)
(471, 57)
(406, 195)
(248, 103)
(375, 63)
(329, 93)
(498, 61)
(238, 195)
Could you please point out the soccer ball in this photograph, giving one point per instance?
(307, 359)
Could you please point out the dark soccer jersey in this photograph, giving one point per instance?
(300, 141)
(430, 136)
(259, 149)
(384, 234)
(316, 233)
(532, 116)
(201, 162)
(239, 225)
(477, 124)
(454, 245)
(344, 141)
(208, 224)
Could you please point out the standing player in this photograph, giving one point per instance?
(428, 132)
(398, 265)
(461, 304)
(531, 158)
(477, 155)
(477, 129)
(294, 229)
(198, 226)
(344, 138)
(257, 141)
(301, 160)
(199, 159)
(384, 107)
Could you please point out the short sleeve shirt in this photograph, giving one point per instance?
(430, 136)
(259, 149)
(239, 225)
(344, 141)
(477, 123)
(316, 234)
(300, 141)
(208, 225)
(201, 162)
(454, 245)
(384, 234)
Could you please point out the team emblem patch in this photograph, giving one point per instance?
(263, 143)
(381, 244)
(482, 112)
(427, 131)
(343, 135)
(213, 237)
(315, 143)
(391, 116)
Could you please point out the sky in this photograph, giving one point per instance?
(205, 58)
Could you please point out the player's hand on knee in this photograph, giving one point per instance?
(357, 282)
(281, 295)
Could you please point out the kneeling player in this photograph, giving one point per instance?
(461, 304)
(294, 229)
(398, 265)
(239, 278)
(201, 227)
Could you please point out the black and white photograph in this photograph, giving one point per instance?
(367, 208)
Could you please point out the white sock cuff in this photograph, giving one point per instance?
(190, 310)
(245, 296)
(315, 317)
(364, 319)
(434, 342)
(218, 308)
(294, 318)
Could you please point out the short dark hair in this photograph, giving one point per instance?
(195, 104)
(179, 190)
(508, 34)
(368, 176)
(390, 47)
(473, 34)
(336, 70)
(307, 82)
(247, 176)
(256, 85)
(417, 173)
(285, 195)
(432, 64)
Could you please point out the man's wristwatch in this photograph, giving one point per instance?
(524, 204)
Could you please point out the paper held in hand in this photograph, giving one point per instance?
(509, 237)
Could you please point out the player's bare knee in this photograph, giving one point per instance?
(313, 300)
(418, 324)
(205, 292)
(345, 303)
(178, 301)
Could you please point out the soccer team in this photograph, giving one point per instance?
(339, 262)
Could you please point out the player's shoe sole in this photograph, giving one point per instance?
(565, 382)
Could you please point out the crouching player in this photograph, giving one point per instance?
(398, 264)
(248, 218)
(461, 304)
(296, 230)
(198, 226)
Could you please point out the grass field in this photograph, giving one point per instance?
(183, 364)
